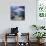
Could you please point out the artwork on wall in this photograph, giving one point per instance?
(41, 13)
(42, 10)
(17, 12)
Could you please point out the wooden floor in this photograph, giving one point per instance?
(13, 44)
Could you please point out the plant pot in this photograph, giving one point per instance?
(40, 41)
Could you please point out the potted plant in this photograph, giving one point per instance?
(39, 35)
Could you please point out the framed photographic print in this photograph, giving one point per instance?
(41, 12)
(17, 12)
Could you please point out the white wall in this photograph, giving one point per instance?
(24, 26)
